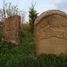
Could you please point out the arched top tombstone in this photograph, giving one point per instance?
(50, 30)
(49, 13)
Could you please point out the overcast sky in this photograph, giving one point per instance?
(41, 5)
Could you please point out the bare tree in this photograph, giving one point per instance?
(10, 10)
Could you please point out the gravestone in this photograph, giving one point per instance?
(51, 33)
(12, 29)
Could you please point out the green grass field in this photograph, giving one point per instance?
(16, 57)
(24, 55)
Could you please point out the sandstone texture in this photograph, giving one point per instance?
(51, 33)
(11, 29)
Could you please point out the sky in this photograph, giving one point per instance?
(40, 5)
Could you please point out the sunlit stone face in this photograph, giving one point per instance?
(51, 35)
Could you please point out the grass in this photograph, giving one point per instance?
(17, 57)
(24, 55)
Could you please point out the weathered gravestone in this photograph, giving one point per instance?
(12, 29)
(51, 33)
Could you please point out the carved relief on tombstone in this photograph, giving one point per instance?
(51, 32)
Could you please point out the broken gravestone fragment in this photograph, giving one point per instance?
(12, 29)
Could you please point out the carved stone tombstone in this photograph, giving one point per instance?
(11, 29)
(51, 33)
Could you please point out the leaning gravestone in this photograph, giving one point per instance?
(11, 29)
(51, 33)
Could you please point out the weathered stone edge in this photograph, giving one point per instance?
(48, 13)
